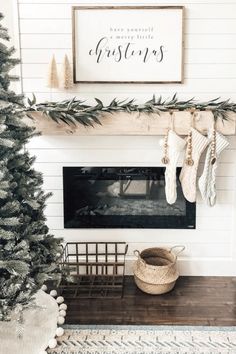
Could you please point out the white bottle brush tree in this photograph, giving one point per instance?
(67, 78)
(53, 81)
(28, 253)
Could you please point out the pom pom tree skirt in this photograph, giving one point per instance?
(39, 326)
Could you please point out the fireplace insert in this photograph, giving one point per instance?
(123, 197)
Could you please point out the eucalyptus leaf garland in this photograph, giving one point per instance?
(74, 112)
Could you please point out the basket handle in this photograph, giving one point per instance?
(137, 254)
(181, 249)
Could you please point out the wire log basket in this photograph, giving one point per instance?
(93, 269)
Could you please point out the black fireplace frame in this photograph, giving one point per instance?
(187, 221)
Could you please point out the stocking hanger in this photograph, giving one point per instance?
(171, 120)
(193, 117)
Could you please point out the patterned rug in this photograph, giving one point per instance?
(146, 340)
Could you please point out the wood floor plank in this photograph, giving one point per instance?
(194, 301)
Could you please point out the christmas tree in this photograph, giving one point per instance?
(28, 253)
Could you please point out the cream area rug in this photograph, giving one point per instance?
(84, 339)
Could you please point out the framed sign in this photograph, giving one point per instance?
(115, 44)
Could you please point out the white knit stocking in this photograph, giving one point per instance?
(175, 147)
(207, 181)
(188, 175)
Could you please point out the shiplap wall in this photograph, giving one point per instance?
(210, 71)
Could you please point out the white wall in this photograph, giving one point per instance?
(210, 71)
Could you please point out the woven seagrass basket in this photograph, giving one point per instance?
(155, 270)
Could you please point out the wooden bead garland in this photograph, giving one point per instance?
(189, 160)
(165, 160)
(213, 147)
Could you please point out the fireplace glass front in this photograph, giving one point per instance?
(123, 197)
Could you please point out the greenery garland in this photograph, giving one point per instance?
(74, 112)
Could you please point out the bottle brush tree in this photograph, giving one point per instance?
(28, 253)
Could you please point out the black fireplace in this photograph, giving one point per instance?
(123, 197)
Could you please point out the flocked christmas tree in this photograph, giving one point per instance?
(28, 253)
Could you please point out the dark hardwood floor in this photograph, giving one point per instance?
(194, 301)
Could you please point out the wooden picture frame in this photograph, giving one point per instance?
(111, 46)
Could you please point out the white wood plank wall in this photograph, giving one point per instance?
(210, 71)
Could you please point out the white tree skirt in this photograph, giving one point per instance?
(40, 324)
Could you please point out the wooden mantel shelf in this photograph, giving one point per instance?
(121, 123)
